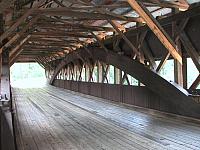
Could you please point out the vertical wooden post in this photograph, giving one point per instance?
(7, 141)
(87, 71)
(5, 69)
(178, 72)
(105, 69)
(72, 71)
(1, 44)
(6, 128)
(75, 73)
(184, 72)
(60, 75)
(68, 73)
(100, 72)
(63, 73)
(118, 75)
(97, 63)
(81, 72)
(140, 39)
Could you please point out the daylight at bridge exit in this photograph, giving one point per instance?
(99, 75)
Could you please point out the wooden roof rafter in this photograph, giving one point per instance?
(76, 15)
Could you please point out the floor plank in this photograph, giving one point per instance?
(51, 118)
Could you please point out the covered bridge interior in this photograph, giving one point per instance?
(103, 61)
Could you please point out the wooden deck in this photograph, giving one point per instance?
(56, 119)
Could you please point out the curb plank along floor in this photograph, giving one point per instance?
(50, 118)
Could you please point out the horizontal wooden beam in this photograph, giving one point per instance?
(48, 44)
(63, 11)
(43, 47)
(60, 35)
(71, 26)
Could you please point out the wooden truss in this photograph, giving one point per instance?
(55, 29)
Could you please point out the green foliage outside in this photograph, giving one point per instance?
(21, 71)
(167, 72)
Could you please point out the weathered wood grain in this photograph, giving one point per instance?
(53, 118)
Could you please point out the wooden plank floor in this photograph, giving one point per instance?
(50, 118)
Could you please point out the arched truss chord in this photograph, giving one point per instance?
(168, 91)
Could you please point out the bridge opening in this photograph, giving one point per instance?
(27, 75)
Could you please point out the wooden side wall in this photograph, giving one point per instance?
(133, 95)
(6, 131)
